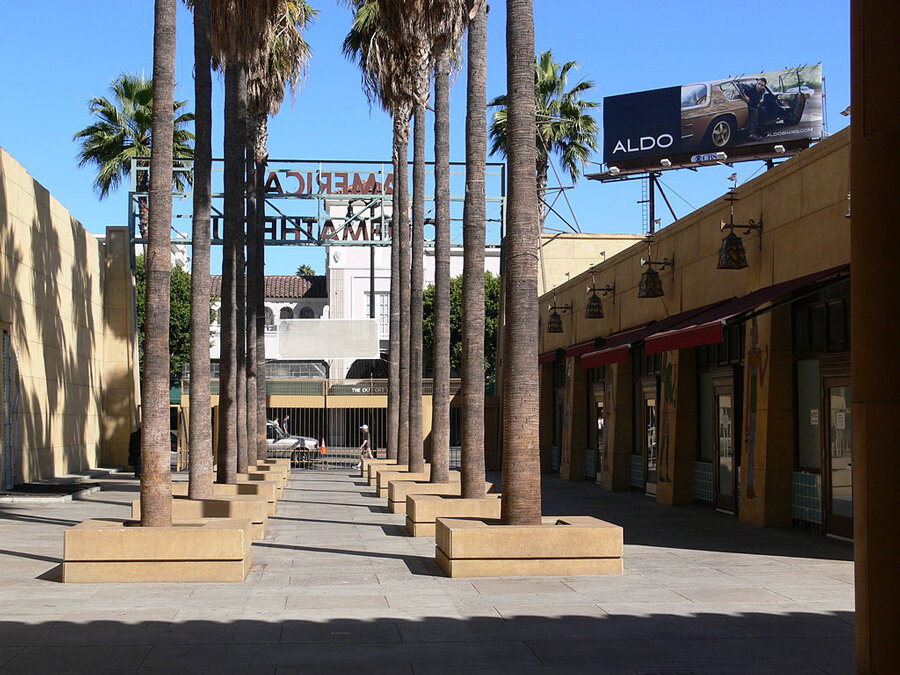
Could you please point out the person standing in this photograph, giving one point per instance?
(134, 451)
(364, 449)
(753, 97)
(284, 424)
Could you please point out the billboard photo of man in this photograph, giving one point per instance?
(753, 97)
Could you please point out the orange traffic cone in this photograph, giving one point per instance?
(323, 448)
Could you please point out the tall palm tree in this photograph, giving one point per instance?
(565, 127)
(284, 65)
(521, 500)
(201, 461)
(240, 33)
(448, 33)
(123, 131)
(156, 480)
(385, 79)
(473, 315)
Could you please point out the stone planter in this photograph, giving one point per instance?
(398, 490)
(115, 550)
(266, 490)
(561, 546)
(251, 508)
(422, 511)
(384, 476)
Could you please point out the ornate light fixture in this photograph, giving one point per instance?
(554, 323)
(594, 309)
(650, 285)
(732, 254)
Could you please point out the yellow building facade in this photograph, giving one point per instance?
(68, 371)
(732, 388)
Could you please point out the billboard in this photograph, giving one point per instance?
(740, 116)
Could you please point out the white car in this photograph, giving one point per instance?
(281, 444)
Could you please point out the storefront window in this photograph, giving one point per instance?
(809, 421)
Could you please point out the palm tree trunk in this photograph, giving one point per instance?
(393, 411)
(200, 452)
(416, 445)
(235, 135)
(250, 302)
(240, 304)
(401, 208)
(262, 136)
(473, 262)
(521, 501)
(440, 419)
(156, 480)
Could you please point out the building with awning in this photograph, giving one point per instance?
(727, 383)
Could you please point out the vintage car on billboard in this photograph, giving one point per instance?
(715, 114)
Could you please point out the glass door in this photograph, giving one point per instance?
(649, 418)
(598, 422)
(724, 448)
(838, 463)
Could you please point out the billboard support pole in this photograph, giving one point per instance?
(652, 199)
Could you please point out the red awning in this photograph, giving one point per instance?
(604, 357)
(580, 348)
(707, 327)
(547, 357)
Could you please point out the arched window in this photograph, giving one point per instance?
(307, 313)
(270, 317)
(286, 313)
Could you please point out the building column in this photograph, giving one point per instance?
(121, 377)
(546, 417)
(875, 358)
(768, 429)
(619, 427)
(574, 433)
(677, 429)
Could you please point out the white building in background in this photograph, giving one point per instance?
(288, 296)
(349, 273)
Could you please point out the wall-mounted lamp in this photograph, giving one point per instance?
(554, 323)
(594, 309)
(666, 162)
(651, 285)
(732, 254)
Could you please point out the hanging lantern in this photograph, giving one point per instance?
(594, 309)
(651, 285)
(732, 254)
(554, 323)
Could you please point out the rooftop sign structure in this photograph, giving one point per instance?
(328, 203)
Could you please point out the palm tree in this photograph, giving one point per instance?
(448, 33)
(305, 271)
(565, 127)
(385, 80)
(123, 131)
(201, 461)
(472, 451)
(284, 65)
(521, 500)
(156, 480)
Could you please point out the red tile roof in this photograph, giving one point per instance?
(284, 286)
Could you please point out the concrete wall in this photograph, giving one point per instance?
(565, 255)
(53, 277)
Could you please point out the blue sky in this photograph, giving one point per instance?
(50, 65)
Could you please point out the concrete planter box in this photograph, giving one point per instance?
(385, 476)
(366, 463)
(267, 473)
(388, 465)
(259, 477)
(102, 551)
(561, 546)
(279, 469)
(267, 491)
(398, 490)
(422, 511)
(251, 508)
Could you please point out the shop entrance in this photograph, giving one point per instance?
(597, 423)
(838, 457)
(649, 424)
(725, 474)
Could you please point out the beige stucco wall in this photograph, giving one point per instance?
(803, 203)
(52, 277)
(565, 255)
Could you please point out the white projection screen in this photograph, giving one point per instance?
(328, 339)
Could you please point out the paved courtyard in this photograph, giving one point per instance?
(338, 586)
